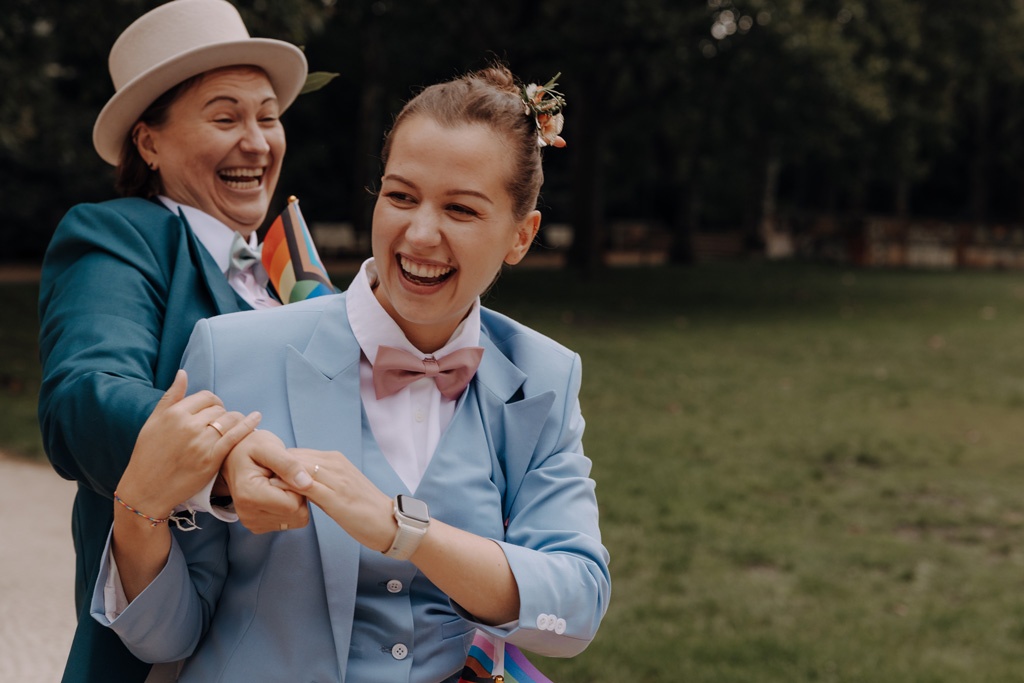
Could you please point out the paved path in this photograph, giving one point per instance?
(37, 572)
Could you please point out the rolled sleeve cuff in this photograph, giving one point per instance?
(200, 502)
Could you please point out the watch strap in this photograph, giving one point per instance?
(408, 536)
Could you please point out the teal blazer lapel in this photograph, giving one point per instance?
(326, 414)
(224, 297)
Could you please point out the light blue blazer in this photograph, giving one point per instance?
(281, 606)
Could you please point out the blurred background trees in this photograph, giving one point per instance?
(745, 116)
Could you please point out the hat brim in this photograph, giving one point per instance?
(284, 64)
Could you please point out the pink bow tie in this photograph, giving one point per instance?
(394, 368)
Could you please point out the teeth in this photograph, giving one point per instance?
(242, 172)
(243, 184)
(424, 271)
(241, 178)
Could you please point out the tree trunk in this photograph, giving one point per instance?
(901, 197)
(859, 189)
(770, 194)
(1020, 201)
(981, 153)
(587, 250)
(368, 136)
(761, 203)
(681, 162)
(856, 227)
(684, 224)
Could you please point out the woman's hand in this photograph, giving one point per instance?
(348, 497)
(252, 471)
(177, 453)
(179, 449)
(472, 570)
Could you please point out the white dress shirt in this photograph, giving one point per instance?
(408, 424)
(216, 238)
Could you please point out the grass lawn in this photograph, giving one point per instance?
(806, 473)
(19, 370)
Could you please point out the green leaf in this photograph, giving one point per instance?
(317, 80)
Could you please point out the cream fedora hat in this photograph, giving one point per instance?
(177, 41)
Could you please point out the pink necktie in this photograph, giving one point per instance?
(394, 368)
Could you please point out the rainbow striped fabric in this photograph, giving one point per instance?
(290, 258)
(479, 666)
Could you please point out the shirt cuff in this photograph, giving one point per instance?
(200, 502)
(500, 630)
(114, 599)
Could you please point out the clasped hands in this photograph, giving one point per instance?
(270, 485)
(189, 440)
(266, 483)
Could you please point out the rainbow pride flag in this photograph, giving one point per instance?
(511, 663)
(290, 258)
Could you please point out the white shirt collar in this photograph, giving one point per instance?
(373, 327)
(211, 233)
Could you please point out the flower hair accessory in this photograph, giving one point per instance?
(545, 104)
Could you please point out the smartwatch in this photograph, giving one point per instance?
(413, 519)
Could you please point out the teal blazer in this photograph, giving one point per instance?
(123, 284)
(280, 606)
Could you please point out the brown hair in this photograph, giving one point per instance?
(133, 177)
(492, 97)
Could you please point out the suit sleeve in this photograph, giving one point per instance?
(167, 620)
(553, 542)
(102, 302)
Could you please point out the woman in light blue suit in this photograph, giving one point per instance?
(443, 439)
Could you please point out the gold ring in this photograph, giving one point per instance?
(217, 426)
(284, 526)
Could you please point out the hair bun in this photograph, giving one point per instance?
(498, 76)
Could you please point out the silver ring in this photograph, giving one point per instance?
(284, 526)
(217, 426)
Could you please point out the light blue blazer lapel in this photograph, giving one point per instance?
(224, 297)
(326, 414)
(520, 417)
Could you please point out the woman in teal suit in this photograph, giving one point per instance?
(198, 148)
(444, 440)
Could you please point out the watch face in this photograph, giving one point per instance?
(410, 507)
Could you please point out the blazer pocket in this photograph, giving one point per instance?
(455, 628)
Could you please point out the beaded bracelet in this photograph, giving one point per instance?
(153, 521)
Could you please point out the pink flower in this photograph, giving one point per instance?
(544, 104)
(549, 126)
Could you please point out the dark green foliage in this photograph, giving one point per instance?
(706, 115)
